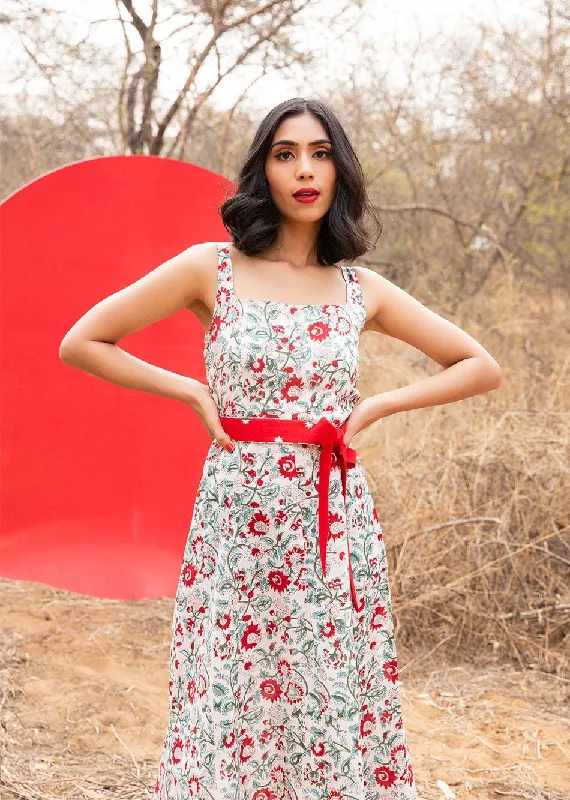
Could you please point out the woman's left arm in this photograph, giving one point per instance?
(468, 369)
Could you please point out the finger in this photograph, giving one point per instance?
(223, 439)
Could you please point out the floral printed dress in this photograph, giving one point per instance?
(279, 689)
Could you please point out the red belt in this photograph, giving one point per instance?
(323, 433)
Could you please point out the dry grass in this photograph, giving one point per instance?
(474, 496)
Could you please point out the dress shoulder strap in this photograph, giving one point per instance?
(353, 290)
(225, 291)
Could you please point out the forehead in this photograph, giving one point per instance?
(301, 128)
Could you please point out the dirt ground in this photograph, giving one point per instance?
(84, 708)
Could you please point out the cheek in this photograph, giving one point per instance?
(278, 186)
(331, 175)
(274, 177)
(325, 174)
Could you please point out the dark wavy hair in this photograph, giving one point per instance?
(251, 217)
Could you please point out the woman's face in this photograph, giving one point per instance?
(300, 157)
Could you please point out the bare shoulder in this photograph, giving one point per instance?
(201, 258)
(385, 300)
(202, 261)
(373, 287)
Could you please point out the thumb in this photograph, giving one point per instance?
(223, 438)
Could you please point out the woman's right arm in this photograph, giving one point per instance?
(91, 344)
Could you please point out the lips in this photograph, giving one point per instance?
(309, 192)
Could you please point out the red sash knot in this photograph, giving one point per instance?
(323, 433)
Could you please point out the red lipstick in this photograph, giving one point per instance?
(306, 195)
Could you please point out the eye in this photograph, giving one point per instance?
(288, 152)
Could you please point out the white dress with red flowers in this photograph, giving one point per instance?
(279, 689)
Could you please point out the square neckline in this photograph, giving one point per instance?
(346, 304)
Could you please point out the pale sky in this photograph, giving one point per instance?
(382, 23)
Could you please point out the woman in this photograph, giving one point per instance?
(283, 668)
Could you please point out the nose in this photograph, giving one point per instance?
(304, 166)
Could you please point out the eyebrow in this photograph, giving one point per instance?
(296, 144)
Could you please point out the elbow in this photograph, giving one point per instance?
(65, 355)
(494, 374)
(68, 350)
(64, 352)
(75, 351)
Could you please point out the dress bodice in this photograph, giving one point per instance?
(293, 361)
